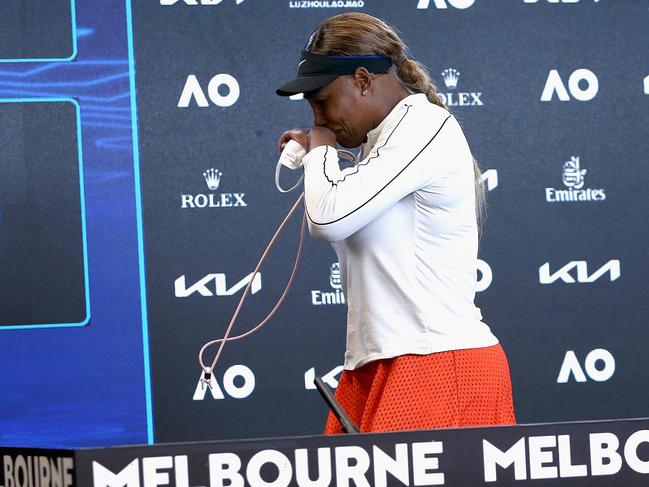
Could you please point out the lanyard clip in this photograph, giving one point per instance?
(206, 380)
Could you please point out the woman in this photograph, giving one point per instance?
(403, 222)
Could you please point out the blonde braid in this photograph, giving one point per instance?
(416, 78)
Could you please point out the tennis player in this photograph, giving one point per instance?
(404, 223)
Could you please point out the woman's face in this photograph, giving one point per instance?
(338, 107)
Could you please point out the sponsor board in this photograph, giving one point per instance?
(326, 4)
(565, 274)
(332, 296)
(573, 180)
(572, 367)
(539, 453)
(490, 179)
(238, 383)
(484, 276)
(212, 177)
(453, 98)
(196, 2)
(330, 378)
(583, 85)
(444, 4)
(215, 285)
(193, 94)
(335, 296)
(595, 453)
(560, 1)
(35, 468)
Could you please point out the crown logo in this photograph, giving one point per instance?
(212, 178)
(451, 77)
(573, 177)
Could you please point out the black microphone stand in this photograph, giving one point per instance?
(327, 395)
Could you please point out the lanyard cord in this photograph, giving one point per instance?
(227, 337)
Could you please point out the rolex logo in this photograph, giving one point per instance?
(451, 77)
(213, 200)
(212, 178)
(453, 98)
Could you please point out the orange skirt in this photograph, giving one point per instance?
(469, 387)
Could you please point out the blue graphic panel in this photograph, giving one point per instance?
(85, 386)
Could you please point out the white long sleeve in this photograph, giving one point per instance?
(402, 222)
(341, 202)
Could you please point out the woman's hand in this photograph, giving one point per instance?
(300, 135)
(309, 138)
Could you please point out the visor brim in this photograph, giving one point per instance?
(304, 84)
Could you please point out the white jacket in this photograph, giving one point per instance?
(402, 222)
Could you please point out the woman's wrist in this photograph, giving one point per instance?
(319, 136)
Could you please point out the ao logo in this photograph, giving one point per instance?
(460, 4)
(554, 84)
(572, 366)
(235, 374)
(193, 90)
(486, 276)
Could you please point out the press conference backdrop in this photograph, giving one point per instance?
(138, 150)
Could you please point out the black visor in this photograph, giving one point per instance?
(315, 70)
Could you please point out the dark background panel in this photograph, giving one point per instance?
(41, 239)
(32, 29)
(504, 52)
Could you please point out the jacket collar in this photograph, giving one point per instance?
(395, 114)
